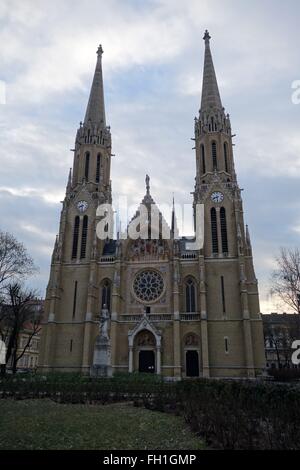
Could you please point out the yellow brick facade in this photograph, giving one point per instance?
(206, 321)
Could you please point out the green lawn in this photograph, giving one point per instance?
(44, 424)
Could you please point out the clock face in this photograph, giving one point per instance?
(217, 196)
(82, 206)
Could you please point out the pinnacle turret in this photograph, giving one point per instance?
(69, 184)
(174, 227)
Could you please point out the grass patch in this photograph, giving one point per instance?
(44, 424)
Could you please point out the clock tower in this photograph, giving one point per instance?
(228, 277)
(71, 286)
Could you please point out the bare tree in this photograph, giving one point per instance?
(15, 263)
(18, 314)
(286, 278)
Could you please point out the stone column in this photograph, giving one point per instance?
(130, 360)
(204, 332)
(50, 336)
(88, 326)
(115, 308)
(246, 326)
(176, 321)
(158, 360)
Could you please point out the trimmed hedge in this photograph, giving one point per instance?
(226, 414)
(237, 414)
(284, 374)
(75, 388)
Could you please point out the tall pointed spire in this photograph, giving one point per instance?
(174, 228)
(95, 111)
(210, 91)
(69, 184)
(248, 240)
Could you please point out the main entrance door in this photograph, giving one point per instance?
(147, 361)
(192, 364)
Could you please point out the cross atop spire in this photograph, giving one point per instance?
(100, 50)
(210, 91)
(95, 111)
(206, 36)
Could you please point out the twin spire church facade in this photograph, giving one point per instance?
(167, 309)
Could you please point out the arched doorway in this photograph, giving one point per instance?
(147, 362)
(192, 357)
(192, 363)
(144, 337)
(145, 346)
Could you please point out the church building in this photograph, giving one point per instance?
(169, 310)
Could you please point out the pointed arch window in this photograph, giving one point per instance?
(98, 167)
(84, 237)
(106, 294)
(224, 230)
(226, 156)
(190, 296)
(75, 237)
(214, 230)
(203, 159)
(87, 166)
(214, 155)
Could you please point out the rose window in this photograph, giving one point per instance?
(148, 286)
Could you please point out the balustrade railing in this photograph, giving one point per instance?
(131, 317)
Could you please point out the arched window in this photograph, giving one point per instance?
(190, 296)
(106, 294)
(223, 230)
(214, 155)
(203, 159)
(75, 237)
(84, 237)
(86, 166)
(214, 230)
(226, 156)
(98, 168)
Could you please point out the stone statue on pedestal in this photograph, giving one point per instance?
(102, 350)
(104, 323)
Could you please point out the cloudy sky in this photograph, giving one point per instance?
(152, 69)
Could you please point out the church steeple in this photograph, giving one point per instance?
(212, 128)
(212, 117)
(94, 129)
(210, 90)
(95, 111)
(92, 153)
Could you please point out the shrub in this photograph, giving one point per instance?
(227, 414)
(239, 414)
(285, 375)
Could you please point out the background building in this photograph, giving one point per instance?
(28, 338)
(280, 330)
